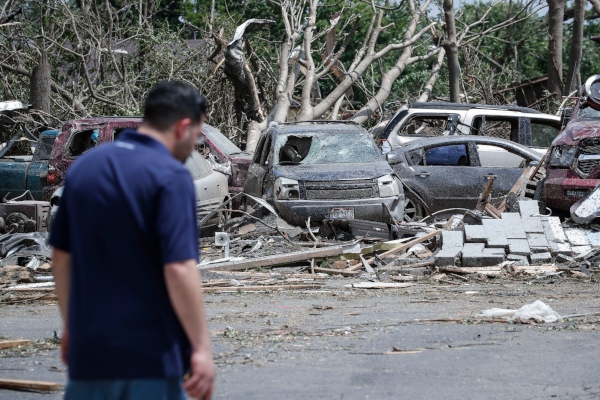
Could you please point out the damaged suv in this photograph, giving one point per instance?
(324, 170)
(573, 168)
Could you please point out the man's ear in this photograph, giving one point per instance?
(181, 128)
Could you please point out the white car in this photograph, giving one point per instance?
(211, 191)
(522, 125)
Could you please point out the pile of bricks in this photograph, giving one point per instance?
(525, 237)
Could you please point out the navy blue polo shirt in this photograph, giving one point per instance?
(127, 209)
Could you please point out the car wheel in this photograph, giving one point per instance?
(413, 209)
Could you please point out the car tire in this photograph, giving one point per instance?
(413, 208)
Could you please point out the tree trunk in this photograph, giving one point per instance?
(556, 9)
(575, 50)
(451, 48)
(435, 72)
(596, 5)
(39, 85)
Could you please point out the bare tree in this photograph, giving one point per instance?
(573, 77)
(451, 47)
(556, 10)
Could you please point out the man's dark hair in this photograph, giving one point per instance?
(171, 101)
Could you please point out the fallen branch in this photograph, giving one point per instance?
(29, 385)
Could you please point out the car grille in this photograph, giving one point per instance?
(338, 190)
(588, 147)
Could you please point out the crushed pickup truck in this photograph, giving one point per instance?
(573, 167)
(324, 170)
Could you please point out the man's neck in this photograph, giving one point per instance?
(164, 138)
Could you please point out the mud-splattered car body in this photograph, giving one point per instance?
(452, 171)
(573, 167)
(325, 171)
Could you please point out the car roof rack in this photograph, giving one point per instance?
(466, 106)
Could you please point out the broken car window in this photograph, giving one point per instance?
(451, 155)
(46, 148)
(542, 134)
(500, 127)
(82, 141)
(326, 148)
(495, 156)
(424, 125)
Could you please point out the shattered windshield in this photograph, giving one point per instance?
(326, 148)
(588, 112)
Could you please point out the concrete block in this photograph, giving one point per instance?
(519, 247)
(452, 240)
(494, 229)
(472, 254)
(539, 258)
(563, 258)
(533, 225)
(580, 250)
(558, 233)
(519, 260)
(447, 257)
(577, 237)
(475, 234)
(537, 242)
(513, 226)
(593, 238)
(529, 208)
(492, 256)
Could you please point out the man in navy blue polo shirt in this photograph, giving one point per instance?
(125, 244)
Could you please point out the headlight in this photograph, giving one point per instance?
(563, 156)
(287, 189)
(388, 186)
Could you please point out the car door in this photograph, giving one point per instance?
(258, 169)
(504, 163)
(443, 175)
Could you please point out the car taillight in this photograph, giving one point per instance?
(52, 176)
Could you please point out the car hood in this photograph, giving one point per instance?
(576, 130)
(329, 172)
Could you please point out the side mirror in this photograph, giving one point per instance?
(393, 158)
(533, 163)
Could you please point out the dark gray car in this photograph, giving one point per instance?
(451, 171)
(325, 171)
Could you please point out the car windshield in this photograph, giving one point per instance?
(588, 112)
(326, 148)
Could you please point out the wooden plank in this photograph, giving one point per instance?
(7, 344)
(407, 245)
(40, 289)
(29, 385)
(259, 288)
(332, 271)
(272, 261)
(379, 285)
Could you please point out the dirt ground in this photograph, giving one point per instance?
(421, 342)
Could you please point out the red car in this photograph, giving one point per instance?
(77, 136)
(573, 168)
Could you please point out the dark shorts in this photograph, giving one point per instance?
(147, 389)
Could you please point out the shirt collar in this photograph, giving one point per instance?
(132, 136)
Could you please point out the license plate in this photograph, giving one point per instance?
(341, 213)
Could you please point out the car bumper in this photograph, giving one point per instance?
(563, 188)
(298, 211)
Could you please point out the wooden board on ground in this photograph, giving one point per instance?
(7, 344)
(379, 285)
(272, 261)
(332, 271)
(259, 288)
(29, 385)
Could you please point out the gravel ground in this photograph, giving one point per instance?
(341, 343)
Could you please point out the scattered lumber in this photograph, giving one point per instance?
(407, 245)
(456, 270)
(29, 385)
(332, 271)
(278, 259)
(7, 344)
(379, 285)
(259, 288)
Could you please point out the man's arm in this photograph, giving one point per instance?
(61, 269)
(185, 292)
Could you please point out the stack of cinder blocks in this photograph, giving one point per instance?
(524, 237)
